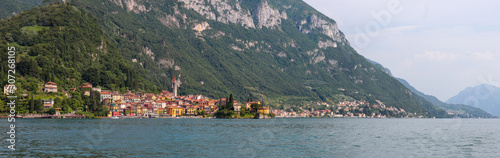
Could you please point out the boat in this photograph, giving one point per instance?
(114, 117)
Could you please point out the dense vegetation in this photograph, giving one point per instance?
(63, 44)
(72, 46)
(66, 45)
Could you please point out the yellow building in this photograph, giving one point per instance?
(175, 110)
(161, 111)
(264, 110)
(141, 110)
(117, 97)
(191, 110)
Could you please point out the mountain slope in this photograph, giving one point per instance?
(459, 110)
(282, 52)
(485, 97)
(63, 44)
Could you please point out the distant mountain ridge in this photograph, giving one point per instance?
(455, 109)
(484, 96)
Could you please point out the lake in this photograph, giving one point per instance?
(279, 137)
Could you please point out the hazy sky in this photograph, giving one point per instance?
(439, 47)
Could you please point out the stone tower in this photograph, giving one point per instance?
(175, 84)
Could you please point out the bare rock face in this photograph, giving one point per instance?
(232, 14)
(316, 23)
(169, 21)
(200, 7)
(267, 16)
(148, 52)
(132, 5)
(327, 43)
(227, 13)
(166, 63)
(281, 54)
(201, 27)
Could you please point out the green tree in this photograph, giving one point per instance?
(230, 103)
(52, 111)
(32, 104)
(92, 75)
(255, 107)
(39, 105)
(200, 112)
(57, 102)
(243, 110)
(3, 106)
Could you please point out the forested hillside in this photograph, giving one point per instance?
(66, 45)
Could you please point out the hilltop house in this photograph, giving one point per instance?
(50, 87)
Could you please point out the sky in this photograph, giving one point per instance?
(439, 47)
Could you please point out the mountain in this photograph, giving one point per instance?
(283, 52)
(484, 96)
(455, 109)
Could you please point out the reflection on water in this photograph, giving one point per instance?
(297, 137)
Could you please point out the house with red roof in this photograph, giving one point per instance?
(86, 88)
(106, 95)
(50, 87)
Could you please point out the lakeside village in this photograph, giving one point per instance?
(167, 104)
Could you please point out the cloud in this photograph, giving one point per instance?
(486, 56)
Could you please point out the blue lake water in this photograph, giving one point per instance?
(293, 137)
